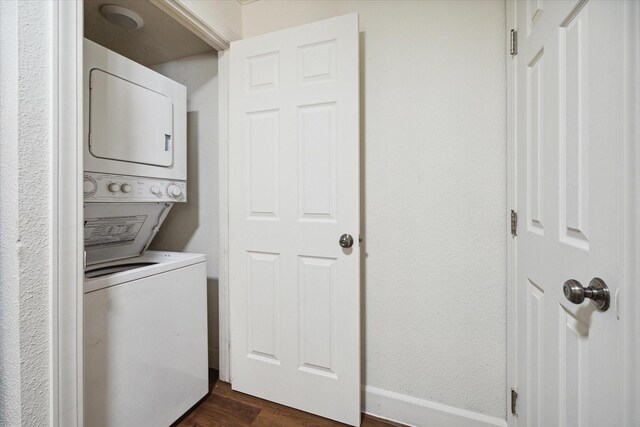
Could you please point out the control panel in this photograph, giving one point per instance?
(100, 187)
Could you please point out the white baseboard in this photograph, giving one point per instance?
(422, 413)
(214, 358)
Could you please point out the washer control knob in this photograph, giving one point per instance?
(154, 190)
(174, 191)
(126, 188)
(114, 188)
(88, 186)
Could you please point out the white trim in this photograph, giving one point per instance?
(223, 191)
(630, 229)
(66, 223)
(216, 33)
(512, 203)
(412, 411)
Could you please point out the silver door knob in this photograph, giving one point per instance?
(346, 241)
(597, 292)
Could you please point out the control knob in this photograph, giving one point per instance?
(114, 188)
(126, 188)
(174, 191)
(154, 190)
(88, 185)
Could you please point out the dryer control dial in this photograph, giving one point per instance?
(88, 186)
(126, 188)
(114, 188)
(154, 190)
(174, 191)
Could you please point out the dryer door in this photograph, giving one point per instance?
(129, 122)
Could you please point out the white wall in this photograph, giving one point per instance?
(433, 126)
(25, 206)
(193, 226)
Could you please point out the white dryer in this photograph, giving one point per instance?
(135, 153)
(135, 118)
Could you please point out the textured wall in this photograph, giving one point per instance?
(9, 290)
(24, 213)
(433, 114)
(193, 226)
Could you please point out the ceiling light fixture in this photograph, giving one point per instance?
(122, 17)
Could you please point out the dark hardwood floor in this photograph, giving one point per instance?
(228, 408)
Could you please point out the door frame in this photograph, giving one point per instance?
(224, 324)
(511, 273)
(627, 301)
(66, 214)
(67, 270)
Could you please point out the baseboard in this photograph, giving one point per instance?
(416, 412)
(214, 358)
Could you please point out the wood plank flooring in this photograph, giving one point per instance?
(228, 408)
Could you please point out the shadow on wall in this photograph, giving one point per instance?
(363, 222)
(212, 323)
(182, 223)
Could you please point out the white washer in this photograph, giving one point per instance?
(145, 339)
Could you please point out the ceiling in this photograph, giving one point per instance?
(161, 39)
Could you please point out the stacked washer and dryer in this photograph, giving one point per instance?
(145, 313)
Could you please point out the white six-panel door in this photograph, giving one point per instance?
(568, 143)
(293, 191)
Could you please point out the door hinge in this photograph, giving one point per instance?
(514, 402)
(514, 43)
(514, 223)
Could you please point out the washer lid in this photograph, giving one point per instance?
(115, 231)
(146, 265)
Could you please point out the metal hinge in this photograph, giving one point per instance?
(514, 402)
(514, 43)
(514, 223)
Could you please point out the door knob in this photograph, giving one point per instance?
(346, 241)
(597, 292)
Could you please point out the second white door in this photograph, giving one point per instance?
(568, 142)
(293, 193)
